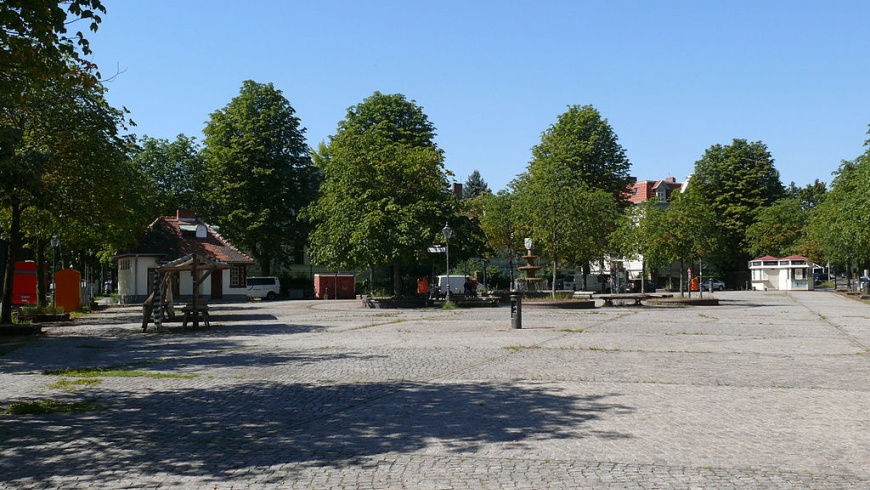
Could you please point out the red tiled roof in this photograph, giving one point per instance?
(644, 190)
(166, 238)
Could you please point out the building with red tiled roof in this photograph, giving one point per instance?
(171, 237)
(659, 190)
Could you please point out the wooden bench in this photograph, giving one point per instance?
(636, 297)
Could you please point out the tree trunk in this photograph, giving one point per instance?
(11, 257)
(397, 280)
(41, 287)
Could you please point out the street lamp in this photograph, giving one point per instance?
(448, 232)
(55, 242)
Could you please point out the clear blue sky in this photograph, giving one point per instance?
(672, 77)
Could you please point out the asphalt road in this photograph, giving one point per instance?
(767, 390)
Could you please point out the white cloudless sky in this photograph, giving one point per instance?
(671, 77)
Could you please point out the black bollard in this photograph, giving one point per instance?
(516, 311)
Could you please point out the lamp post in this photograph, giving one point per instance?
(448, 232)
(55, 242)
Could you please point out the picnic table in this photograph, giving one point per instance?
(194, 313)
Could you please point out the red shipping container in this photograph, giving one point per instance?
(324, 286)
(24, 283)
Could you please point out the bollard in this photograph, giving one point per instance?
(516, 311)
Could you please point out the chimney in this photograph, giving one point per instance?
(457, 190)
(185, 215)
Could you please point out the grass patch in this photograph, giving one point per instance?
(112, 372)
(517, 348)
(50, 406)
(573, 330)
(74, 384)
(449, 305)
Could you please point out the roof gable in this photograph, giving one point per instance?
(172, 237)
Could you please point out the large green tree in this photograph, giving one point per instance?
(572, 189)
(259, 174)
(68, 166)
(840, 224)
(36, 52)
(683, 232)
(582, 146)
(736, 181)
(385, 196)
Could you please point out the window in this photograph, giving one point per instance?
(238, 274)
(799, 274)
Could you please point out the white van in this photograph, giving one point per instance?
(457, 284)
(263, 287)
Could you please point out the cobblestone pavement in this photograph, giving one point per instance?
(767, 390)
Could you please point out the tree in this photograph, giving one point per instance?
(66, 163)
(583, 143)
(736, 181)
(500, 224)
(384, 197)
(809, 195)
(475, 186)
(176, 172)
(35, 51)
(686, 230)
(259, 174)
(840, 224)
(34, 42)
(573, 186)
(778, 229)
(568, 223)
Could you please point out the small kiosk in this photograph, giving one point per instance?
(792, 273)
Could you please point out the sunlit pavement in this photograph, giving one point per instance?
(767, 390)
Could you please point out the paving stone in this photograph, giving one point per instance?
(767, 390)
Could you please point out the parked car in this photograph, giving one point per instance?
(263, 287)
(715, 284)
(820, 277)
(634, 286)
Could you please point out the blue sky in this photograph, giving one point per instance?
(671, 77)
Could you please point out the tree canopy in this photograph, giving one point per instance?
(384, 198)
(474, 186)
(583, 148)
(175, 171)
(259, 174)
(840, 224)
(570, 194)
(736, 181)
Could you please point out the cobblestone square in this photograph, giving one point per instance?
(767, 390)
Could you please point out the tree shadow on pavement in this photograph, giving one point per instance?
(212, 433)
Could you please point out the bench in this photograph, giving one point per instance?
(582, 294)
(636, 297)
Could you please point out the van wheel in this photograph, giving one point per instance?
(270, 295)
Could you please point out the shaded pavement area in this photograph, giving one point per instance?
(767, 390)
